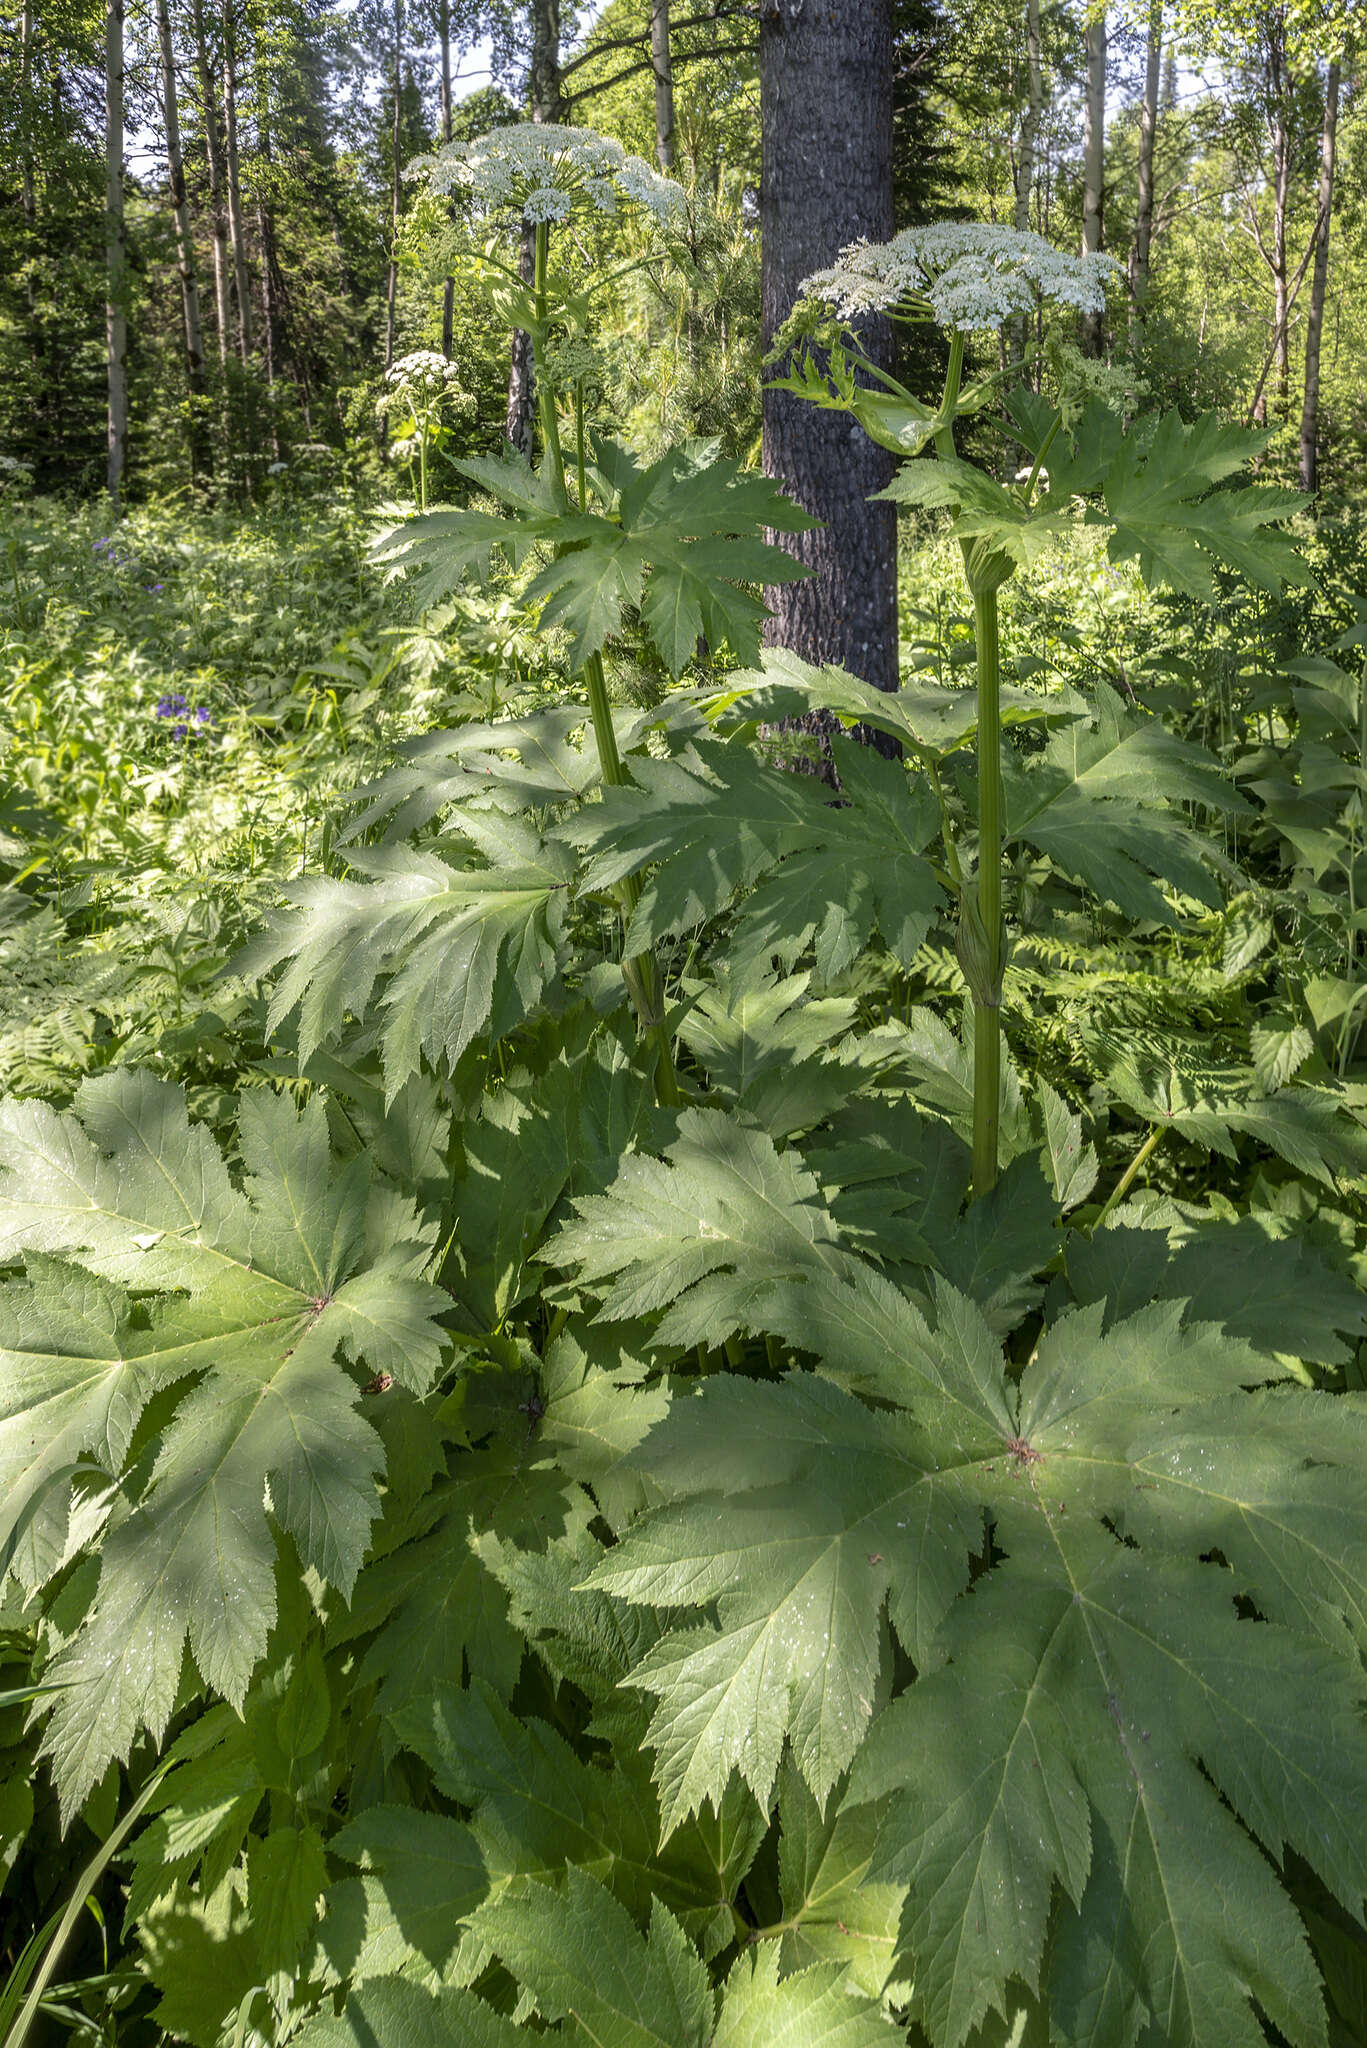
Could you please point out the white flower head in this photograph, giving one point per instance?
(965, 274)
(542, 171)
(13, 465)
(424, 370)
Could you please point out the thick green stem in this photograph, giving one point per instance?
(645, 983)
(987, 1026)
(980, 932)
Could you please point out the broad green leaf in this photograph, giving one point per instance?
(1100, 801)
(814, 2007)
(580, 1955)
(831, 1913)
(395, 2012)
(680, 539)
(286, 1874)
(702, 1234)
(798, 1549)
(460, 951)
(272, 1283)
(1160, 505)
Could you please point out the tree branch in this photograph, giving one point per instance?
(719, 13)
(587, 92)
(1285, 321)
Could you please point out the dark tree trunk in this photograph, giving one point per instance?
(547, 95)
(826, 118)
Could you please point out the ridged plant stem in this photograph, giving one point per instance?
(645, 983)
(987, 1016)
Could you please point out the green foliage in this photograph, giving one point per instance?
(674, 539)
(557, 1561)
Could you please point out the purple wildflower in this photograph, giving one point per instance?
(203, 714)
(178, 732)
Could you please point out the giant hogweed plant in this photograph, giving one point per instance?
(600, 1536)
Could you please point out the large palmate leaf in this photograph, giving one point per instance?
(459, 950)
(547, 757)
(706, 1235)
(594, 1979)
(925, 717)
(679, 540)
(1095, 1720)
(1101, 801)
(265, 1286)
(1165, 494)
(715, 820)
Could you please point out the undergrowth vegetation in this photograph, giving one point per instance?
(567, 1468)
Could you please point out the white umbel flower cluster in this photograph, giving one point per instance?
(423, 370)
(535, 170)
(964, 274)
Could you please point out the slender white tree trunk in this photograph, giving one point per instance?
(663, 67)
(116, 252)
(395, 189)
(1314, 326)
(448, 295)
(213, 150)
(1142, 247)
(236, 229)
(1094, 160)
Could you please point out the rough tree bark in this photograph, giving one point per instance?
(1141, 248)
(232, 179)
(1094, 164)
(826, 124)
(213, 150)
(116, 252)
(662, 65)
(185, 244)
(1314, 325)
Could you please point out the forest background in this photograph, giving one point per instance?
(645, 1398)
(271, 260)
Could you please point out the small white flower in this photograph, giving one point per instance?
(540, 170)
(423, 370)
(965, 274)
(12, 465)
(276, 468)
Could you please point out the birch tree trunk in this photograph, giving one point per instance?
(448, 294)
(28, 188)
(185, 243)
(1094, 163)
(237, 235)
(1314, 326)
(1279, 117)
(1029, 143)
(826, 138)
(213, 150)
(1142, 248)
(395, 190)
(116, 253)
(663, 67)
